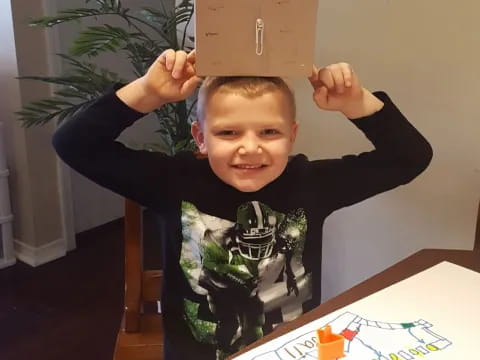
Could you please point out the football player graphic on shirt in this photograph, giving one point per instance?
(237, 262)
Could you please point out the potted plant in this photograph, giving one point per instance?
(146, 34)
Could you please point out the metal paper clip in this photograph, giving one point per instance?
(259, 29)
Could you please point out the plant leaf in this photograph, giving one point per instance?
(65, 16)
(42, 111)
(84, 80)
(98, 39)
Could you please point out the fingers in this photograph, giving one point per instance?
(320, 79)
(191, 61)
(342, 76)
(326, 76)
(190, 85)
(314, 76)
(338, 82)
(167, 58)
(334, 85)
(180, 60)
(347, 71)
(174, 61)
(320, 96)
(192, 57)
(336, 77)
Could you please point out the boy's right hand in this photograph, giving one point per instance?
(171, 78)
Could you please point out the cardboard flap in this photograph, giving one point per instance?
(255, 37)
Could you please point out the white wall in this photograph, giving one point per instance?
(426, 55)
(9, 91)
(9, 102)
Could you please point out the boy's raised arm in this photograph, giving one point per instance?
(401, 153)
(87, 141)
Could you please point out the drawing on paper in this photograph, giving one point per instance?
(367, 340)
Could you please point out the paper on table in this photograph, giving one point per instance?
(255, 37)
(433, 315)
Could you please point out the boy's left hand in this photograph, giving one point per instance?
(336, 87)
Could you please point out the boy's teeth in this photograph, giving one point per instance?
(249, 166)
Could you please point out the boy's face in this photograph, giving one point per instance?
(247, 141)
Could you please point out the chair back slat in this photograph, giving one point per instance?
(133, 265)
(151, 285)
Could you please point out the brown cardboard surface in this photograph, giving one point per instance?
(225, 37)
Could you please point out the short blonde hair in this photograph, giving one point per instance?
(250, 87)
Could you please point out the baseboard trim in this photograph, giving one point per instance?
(35, 256)
(6, 263)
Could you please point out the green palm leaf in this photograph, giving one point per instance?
(98, 39)
(67, 16)
(107, 4)
(43, 111)
(85, 81)
(155, 16)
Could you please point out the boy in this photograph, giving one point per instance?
(243, 249)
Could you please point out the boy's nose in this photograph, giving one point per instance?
(250, 145)
(243, 151)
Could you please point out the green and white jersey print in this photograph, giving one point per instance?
(247, 275)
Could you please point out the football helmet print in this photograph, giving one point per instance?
(255, 231)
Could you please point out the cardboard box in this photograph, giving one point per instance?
(255, 37)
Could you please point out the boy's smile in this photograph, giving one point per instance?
(247, 140)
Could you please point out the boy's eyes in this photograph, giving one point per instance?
(265, 132)
(227, 132)
(270, 132)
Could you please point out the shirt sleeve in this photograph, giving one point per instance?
(87, 143)
(401, 153)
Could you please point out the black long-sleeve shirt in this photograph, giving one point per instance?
(237, 263)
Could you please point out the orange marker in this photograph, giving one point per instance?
(330, 346)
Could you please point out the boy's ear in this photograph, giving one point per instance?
(198, 136)
(293, 134)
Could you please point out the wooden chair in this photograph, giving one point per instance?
(141, 333)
